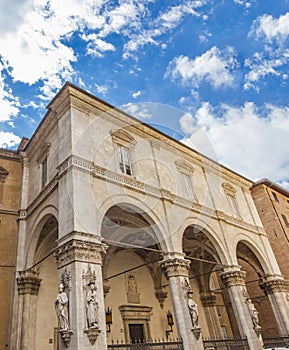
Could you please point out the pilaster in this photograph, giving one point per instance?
(276, 289)
(79, 261)
(176, 269)
(234, 280)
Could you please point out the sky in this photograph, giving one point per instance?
(219, 68)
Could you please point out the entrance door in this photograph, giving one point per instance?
(136, 333)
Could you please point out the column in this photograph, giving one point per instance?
(28, 286)
(234, 280)
(209, 304)
(276, 288)
(79, 260)
(176, 270)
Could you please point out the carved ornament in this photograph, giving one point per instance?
(175, 267)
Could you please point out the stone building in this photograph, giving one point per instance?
(125, 233)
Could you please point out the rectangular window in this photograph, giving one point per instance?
(124, 160)
(188, 185)
(44, 172)
(224, 332)
(233, 204)
(285, 220)
(275, 197)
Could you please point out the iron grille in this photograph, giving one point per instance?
(226, 344)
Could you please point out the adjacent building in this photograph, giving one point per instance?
(124, 234)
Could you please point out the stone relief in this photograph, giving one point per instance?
(132, 291)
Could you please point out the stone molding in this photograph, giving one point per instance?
(175, 267)
(28, 282)
(274, 286)
(208, 299)
(82, 250)
(233, 278)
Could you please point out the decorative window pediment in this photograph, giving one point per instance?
(43, 152)
(184, 167)
(229, 189)
(231, 197)
(122, 138)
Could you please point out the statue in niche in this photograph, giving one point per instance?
(61, 308)
(254, 313)
(131, 283)
(91, 306)
(193, 308)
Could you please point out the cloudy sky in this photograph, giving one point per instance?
(219, 66)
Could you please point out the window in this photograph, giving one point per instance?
(285, 220)
(44, 172)
(124, 144)
(186, 172)
(124, 160)
(275, 197)
(3, 175)
(224, 332)
(231, 197)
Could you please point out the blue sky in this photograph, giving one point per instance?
(184, 66)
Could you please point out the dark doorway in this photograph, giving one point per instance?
(136, 333)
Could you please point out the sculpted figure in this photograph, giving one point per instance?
(91, 306)
(132, 287)
(193, 308)
(61, 308)
(254, 313)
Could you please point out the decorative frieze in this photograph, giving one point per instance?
(233, 278)
(79, 250)
(28, 282)
(173, 267)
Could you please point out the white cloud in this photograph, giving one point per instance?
(137, 94)
(271, 28)
(137, 110)
(213, 67)
(96, 46)
(243, 137)
(8, 139)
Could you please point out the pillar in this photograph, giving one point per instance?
(79, 261)
(234, 280)
(276, 289)
(176, 270)
(28, 287)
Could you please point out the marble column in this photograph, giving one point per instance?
(176, 269)
(28, 285)
(209, 304)
(276, 289)
(79, 260)
(234, 280)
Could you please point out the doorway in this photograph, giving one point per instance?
(136, 333)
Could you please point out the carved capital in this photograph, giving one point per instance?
(272, 286)
(79, 250)
(233, 278)
(208, 299)
(173, 267)
(28, 282)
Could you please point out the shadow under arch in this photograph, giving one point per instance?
(45, 228)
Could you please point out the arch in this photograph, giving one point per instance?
(137, 206)
(49, 212)
(253, 246)
(210, 233)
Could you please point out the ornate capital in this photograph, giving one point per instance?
(233, 278)
(272, 286)
(79, 250)
(208, 299)
(28, 282)
(173, 267)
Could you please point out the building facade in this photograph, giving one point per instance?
(126, 234)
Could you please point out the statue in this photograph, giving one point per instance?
(254, 313)
(132, 287)
(91, 306)
(61, 308)
(193, 308)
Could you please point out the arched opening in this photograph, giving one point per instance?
(44, 262)
(249, 263)
(208, 291)
(135, 289)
